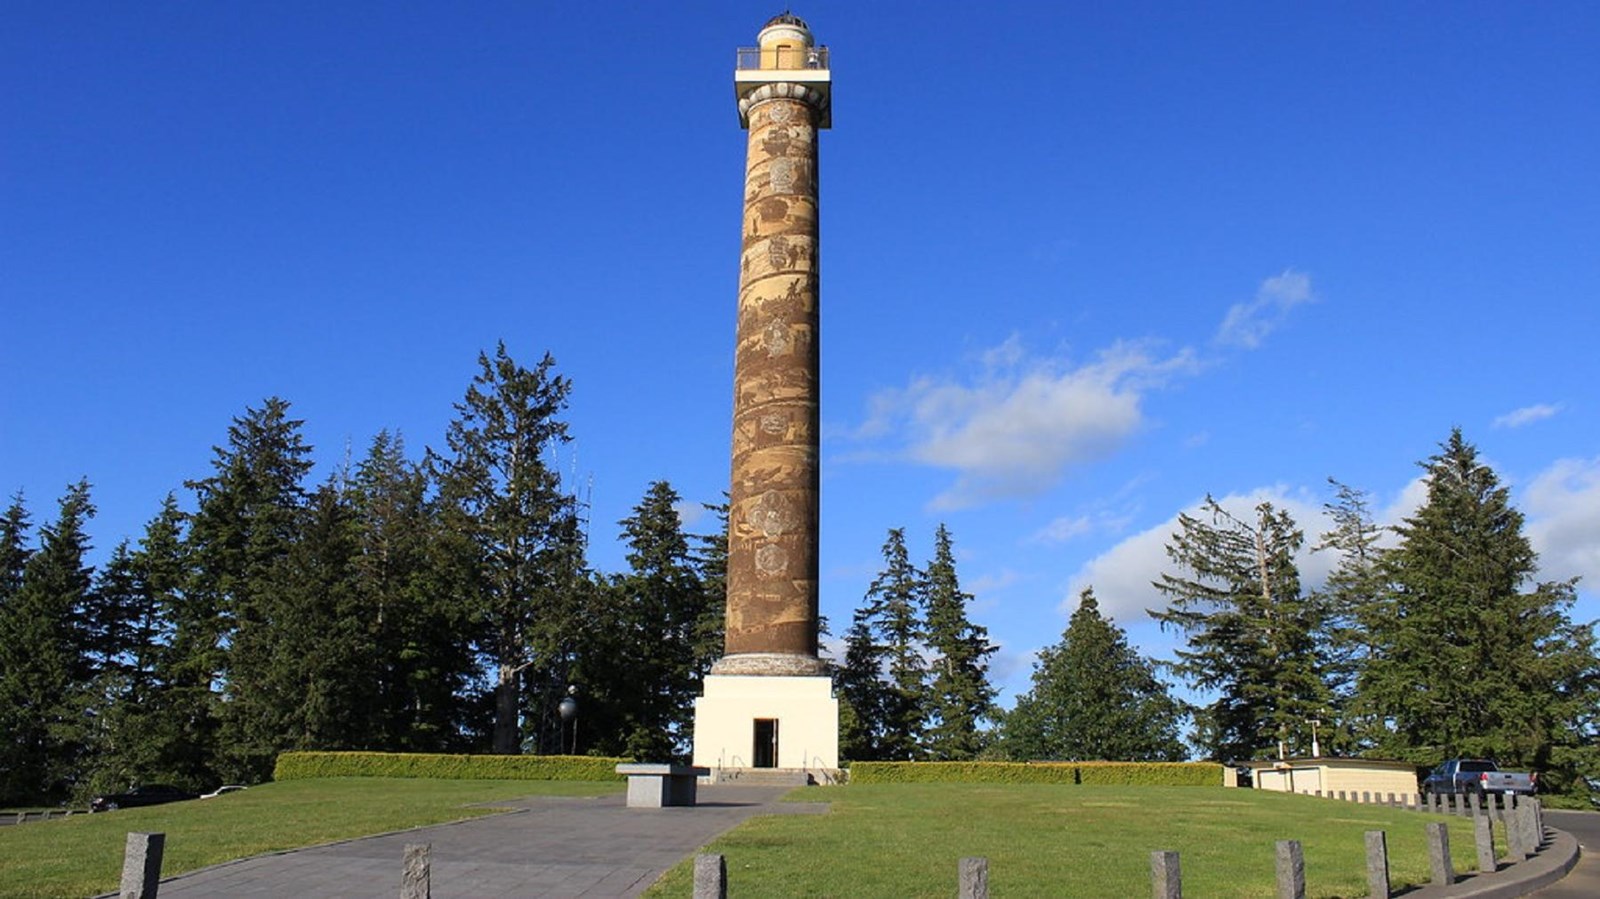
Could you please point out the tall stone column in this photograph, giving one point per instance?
(774, 489)
(768, 702)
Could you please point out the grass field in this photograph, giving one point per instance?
(82, 855)
(905, 840)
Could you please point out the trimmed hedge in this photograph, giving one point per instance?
(301, 765)
(1126, 774)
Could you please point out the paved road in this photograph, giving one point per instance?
(1584, 881)
(550, 846)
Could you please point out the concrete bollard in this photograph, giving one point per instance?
(1483, 838)
(416, 880)
(1166, 880)
(1433, 803)
(1378, 864)
(710, 876)
(1515, 850)
(1538, 822)
(1444, 873)
(1291, 870)
(1472, 804)
(141, 865)
(974, 874)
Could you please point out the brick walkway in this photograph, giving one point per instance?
(550, 846)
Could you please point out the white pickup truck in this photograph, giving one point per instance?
(1479, 776)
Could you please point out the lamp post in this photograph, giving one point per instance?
(1316, 750)
(568, 708)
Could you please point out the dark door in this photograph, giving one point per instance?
(765, 754)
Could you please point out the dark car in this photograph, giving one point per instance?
(149, 794)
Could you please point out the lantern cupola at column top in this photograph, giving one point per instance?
(786, 62)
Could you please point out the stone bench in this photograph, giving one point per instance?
(658, 785)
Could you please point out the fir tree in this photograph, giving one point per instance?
(516, 530)
(1469, 658)
(1094, 698)
(45, 666)
(643, 679)
(863, 694)
(249, 516)
(141, 735)
(421, 640)
(14, 550)
(893, 608)
(1350, 590)
(711, 558)
(1252, 634)
(959, 696)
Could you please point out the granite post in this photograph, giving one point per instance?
(141, 865)
(1378, 864)
(974, 878)
(1444, 873)
(1483, 841)
(710, 876)
(416, 881)
(1291, 870)
(1166, 877)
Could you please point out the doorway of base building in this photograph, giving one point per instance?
(765, 753)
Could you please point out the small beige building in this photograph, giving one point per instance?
(1330, 776)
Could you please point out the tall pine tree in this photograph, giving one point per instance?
(959, 696)
(1470, 657)
(249, 515)
(1094, 698)
(516, 529)
(1251, 632)
(45, 664)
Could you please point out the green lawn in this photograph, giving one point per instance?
(906, 839)
(82, 855)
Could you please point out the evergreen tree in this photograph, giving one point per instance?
(1252, 635)
(862, 692)
(1094, 698)
(1351, 588)
(177, 728)
(894, 602)
(249, 515)
(517, 531)
(960, 695)
(1468, 657)
(141, 737)
(14, 550)
(639, 666)
(711, 558)
(421, 639)
(45, 667)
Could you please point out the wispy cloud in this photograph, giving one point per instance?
(1022, 422)
(1247, 324)
(1527, 415)
(1563, 507)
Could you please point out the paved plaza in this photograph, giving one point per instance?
(548, 846)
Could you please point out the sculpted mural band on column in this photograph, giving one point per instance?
(772, 546)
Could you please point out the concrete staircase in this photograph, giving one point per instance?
(761, 777)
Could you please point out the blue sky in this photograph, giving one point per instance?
(1085, 263)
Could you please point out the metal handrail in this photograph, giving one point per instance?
(784, 57)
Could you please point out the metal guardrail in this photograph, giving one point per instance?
(782, 58)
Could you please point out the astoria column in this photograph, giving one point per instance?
(773, 494)
(770, 676)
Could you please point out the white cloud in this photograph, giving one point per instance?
(1122, 575)
(689, 513)
(1248, 324)
(1562, 505)
(1023, 422)
(1527, 415)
